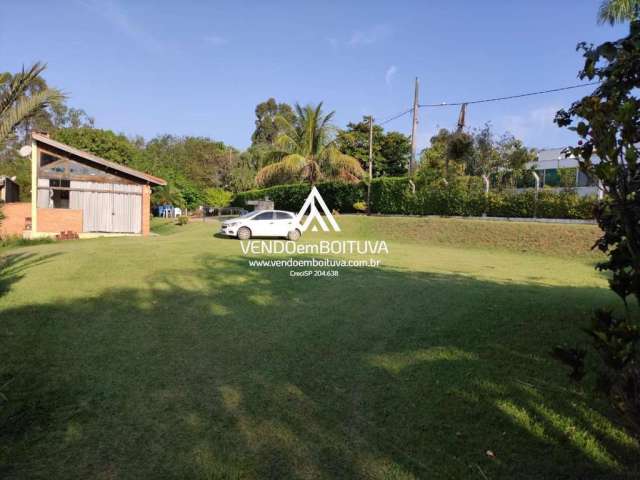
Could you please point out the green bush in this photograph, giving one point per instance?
(183, 220)
(392, 195)
(217, 197)
(551, 204)
(18, 241)
(337, 195)
(463, 196)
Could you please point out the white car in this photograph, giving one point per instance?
(263, 223)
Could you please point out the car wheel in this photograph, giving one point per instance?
(293, 235)
(244, 233)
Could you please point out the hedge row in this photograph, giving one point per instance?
(337, 195)
(395, 196)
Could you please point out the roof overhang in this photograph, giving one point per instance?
(145, 177)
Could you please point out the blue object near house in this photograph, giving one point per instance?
(164, 210)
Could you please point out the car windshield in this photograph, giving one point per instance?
(249, 214)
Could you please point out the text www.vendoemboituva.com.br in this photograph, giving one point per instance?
(315, 263)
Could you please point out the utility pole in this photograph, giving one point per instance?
(370, 164)
(412, 162)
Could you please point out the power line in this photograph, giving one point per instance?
(485, 100)
(395, 117)
(497, 99)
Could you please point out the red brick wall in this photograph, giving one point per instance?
(146, 209)
(15, 218)
(56, 220)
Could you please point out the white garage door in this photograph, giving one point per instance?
(114, 208)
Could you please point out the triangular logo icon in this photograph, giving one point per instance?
(314, 213)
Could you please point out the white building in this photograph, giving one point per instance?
(553, 159)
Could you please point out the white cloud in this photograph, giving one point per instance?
(389, 74)
(215, 40)
(116, 15)
(536, 127)
(369, 36)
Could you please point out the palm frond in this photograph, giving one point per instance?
(286, 144)
(274, 155)
(282, 124)
(300, 112)
(18, 86)
(339, 166)
(286, 170)
(618, 11)
(26, 107)
(308, 146)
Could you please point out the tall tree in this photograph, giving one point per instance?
(18, 103)
(391, 150)
(307, 151)
(103, 143)
(266, 130)
(354, 141)
(607, 123)
(618, 11)
(395, 151)
(448, 154)
(476, 153)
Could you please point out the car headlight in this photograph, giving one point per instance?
(233, 224)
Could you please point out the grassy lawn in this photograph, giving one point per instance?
(168, 357)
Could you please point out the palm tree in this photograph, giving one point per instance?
(306, 151)
(19, 101)
(618, 11)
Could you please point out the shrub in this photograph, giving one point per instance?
(392, 195)
(217, 197)
(183, 220)
(18, 241)
(338, 196)
(607, 122)
(514, 205)
(463, 196)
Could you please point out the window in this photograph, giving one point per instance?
(264, 216)
(283, 216)
(60, 167)
(584, 180)
(552, 177)
(46, 159)
(60, 197)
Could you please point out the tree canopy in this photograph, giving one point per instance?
(475, 153)
(391, 150)
(103, 143)
(191, 165)
(266, 130)
(607, 123)
(306, 151)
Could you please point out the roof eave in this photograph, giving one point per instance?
(100, 161)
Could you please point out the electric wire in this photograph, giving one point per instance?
(485, 100)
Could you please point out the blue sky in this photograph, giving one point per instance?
(200, 67)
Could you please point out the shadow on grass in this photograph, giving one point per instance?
(232, 372)
(12, 267)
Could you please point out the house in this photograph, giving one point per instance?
(9, 190)
(551, 160)
(73, 190)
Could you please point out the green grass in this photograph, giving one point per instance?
(16, 241)
(168, 357)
